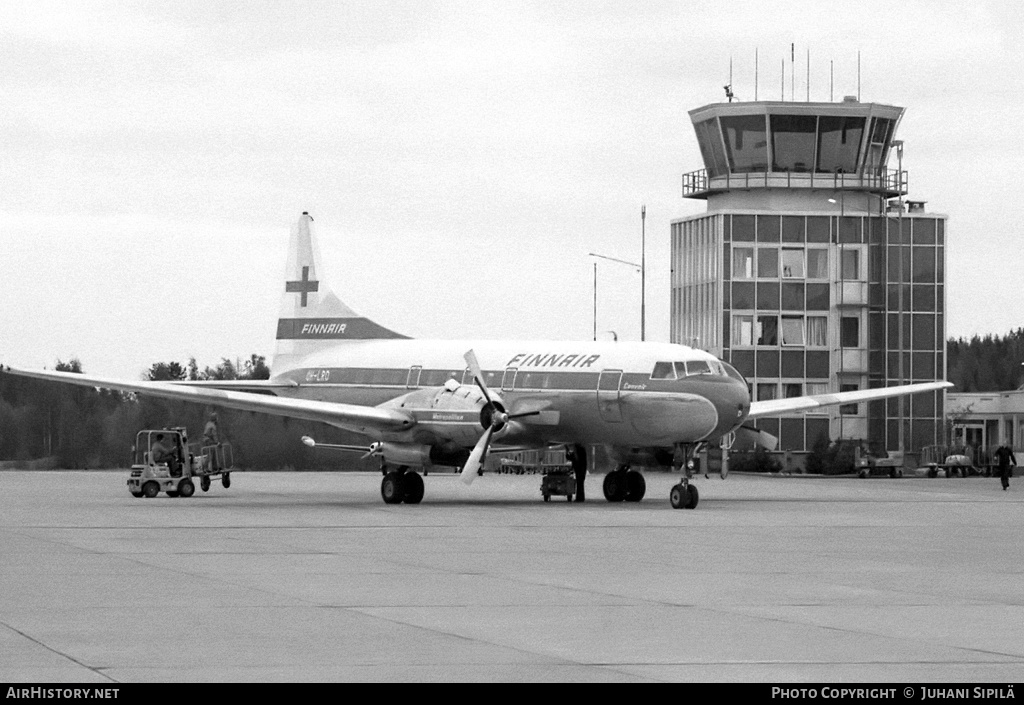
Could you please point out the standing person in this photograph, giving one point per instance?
(211, 437)
(1006, 460)
(578, 457)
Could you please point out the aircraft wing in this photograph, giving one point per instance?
(772, 407)
(348, 416)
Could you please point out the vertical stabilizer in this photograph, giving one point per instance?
(311, 317)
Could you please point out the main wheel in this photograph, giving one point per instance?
(204, 483)
(391, 488)
(225, 480)
(150, 489)
(636, 486)
(615, 486)
(186, 489)
(413, 486)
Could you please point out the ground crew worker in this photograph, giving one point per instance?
(212, 438)
(578, 456)
(1006, 460)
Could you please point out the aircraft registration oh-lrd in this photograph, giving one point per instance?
(446, 402)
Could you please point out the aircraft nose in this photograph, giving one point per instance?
(733, 406)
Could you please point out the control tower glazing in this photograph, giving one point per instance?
(809, 272)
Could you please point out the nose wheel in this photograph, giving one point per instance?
(684, 496)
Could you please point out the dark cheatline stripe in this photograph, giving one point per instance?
(333, 329)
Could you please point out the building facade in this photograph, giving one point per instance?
(809, 272)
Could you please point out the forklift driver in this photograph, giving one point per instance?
(161, 452)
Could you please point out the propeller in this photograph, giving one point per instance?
(493, 416)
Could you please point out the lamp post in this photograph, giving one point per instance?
(643, 273)
(634, 265)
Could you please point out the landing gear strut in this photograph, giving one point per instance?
(401, 485)
(684, 495)
(624, 484)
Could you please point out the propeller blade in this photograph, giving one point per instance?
(478, 375)
(476, 458)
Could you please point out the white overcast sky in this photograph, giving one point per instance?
(460, 158)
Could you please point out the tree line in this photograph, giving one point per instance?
(986, 364)
(82, 427)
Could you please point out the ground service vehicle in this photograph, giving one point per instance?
(163, 461)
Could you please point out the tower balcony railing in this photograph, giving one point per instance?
(889, 183)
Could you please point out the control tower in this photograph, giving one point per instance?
(810, 272)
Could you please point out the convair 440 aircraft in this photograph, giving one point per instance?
(446, 402)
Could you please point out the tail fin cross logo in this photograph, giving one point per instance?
(304, 286)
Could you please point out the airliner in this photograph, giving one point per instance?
(423, 403)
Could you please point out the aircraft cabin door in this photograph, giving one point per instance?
(608, 395)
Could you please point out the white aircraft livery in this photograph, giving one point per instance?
(442, 402)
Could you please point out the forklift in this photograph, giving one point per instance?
(163, 461)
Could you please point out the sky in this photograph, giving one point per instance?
(460, 159)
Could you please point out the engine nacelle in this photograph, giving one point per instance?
(456, 413)
(418, 454)
(402, 453)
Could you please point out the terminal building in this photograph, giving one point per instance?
(810, 271)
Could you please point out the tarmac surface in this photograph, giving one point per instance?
(310, 577)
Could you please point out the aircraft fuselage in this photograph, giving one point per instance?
(583, 392)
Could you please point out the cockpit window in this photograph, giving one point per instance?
(698, 367)
(731, 371)
(663, 370)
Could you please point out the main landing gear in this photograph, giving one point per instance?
(623, 484)
(401, 485)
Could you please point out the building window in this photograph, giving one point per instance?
(793, 142)
(792, 330)
(792, 264)
(817, 331)
(791, 390)
(849, 332)
(767, 390)
(817, 263)
(742, 262)
(742, 330)
(848, 409)
(746, 142)
(816, 388)
(768, 330)
(767, 263)
(851, 264)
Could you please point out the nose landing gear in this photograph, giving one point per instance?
(684, 495)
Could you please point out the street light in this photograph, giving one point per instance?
(634, 265)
